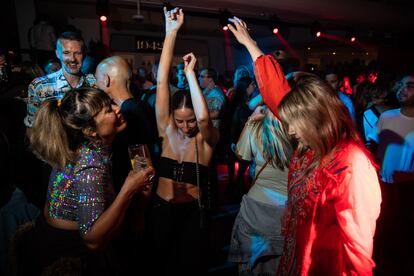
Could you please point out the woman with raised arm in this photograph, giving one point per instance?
(82, 214)
(188, 140)
(333, 190)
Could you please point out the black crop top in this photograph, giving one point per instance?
(181, 172)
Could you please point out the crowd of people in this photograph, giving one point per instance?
(330, 164)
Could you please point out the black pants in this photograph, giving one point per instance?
(179, 243)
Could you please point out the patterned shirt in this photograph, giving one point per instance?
(215, 102)
(50, 86)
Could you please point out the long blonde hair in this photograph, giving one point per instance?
(272, 140)
(59, 126)
(314, 109)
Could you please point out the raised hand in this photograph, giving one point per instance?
(189, 62)
(174, 19)
(240, 30)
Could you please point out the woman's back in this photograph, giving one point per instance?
(270, 186)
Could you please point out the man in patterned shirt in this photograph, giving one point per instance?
(70, 50)
(212, 93)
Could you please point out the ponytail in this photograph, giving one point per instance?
(59, 126)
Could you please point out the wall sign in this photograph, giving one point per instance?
(149, 44)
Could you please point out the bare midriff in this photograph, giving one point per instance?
(176, 192)
(60, 223)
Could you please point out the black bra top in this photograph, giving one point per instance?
(181, 172)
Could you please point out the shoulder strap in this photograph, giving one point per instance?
(257, 175)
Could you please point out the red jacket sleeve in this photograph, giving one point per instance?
(271, 81)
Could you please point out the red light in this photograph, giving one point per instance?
(353, 39)
(318, 34)
(225, 28)
(275, 30)
(103, 18)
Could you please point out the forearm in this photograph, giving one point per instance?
(162, 101)
(253, 49)
(199, 103)
(166, 58)
(108, 222)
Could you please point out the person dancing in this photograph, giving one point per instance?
(188, 139)
(333, 191)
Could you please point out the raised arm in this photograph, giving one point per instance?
(205, 125)
(173, 21)
(272, 83)
(242, 35)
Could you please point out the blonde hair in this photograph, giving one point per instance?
(60, 125)
(272, 140)
(315, 110)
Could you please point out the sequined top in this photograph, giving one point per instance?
(81, 192)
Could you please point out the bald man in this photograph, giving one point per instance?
(113, 76)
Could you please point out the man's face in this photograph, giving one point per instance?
(332, 79)
(70, 54)
(182, 81)
(204, 79)
(405, 92)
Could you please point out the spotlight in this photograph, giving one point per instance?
(224, 19)
(274, 24)
(102, 9)
(351, 35)
(316, 29)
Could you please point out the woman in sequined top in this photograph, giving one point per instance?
(333, 191)
(74, 136)
(188, 141)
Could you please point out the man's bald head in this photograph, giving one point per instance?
(113, 72)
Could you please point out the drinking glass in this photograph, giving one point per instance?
(140, 157)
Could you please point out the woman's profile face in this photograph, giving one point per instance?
(185, 121)
(109, 121)
(297, 134)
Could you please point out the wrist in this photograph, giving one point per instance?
(126, 194)
(171, 32)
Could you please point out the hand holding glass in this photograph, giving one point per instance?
(140, 157)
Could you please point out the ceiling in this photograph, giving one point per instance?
(376, 15)
(361, 14)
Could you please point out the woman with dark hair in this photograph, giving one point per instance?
(188, 139)
(82, 214)
(240, 113)
(333, 191)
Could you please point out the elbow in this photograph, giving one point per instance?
(94, 246)
(203, 120)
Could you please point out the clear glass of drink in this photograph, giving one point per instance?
(140, 157)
